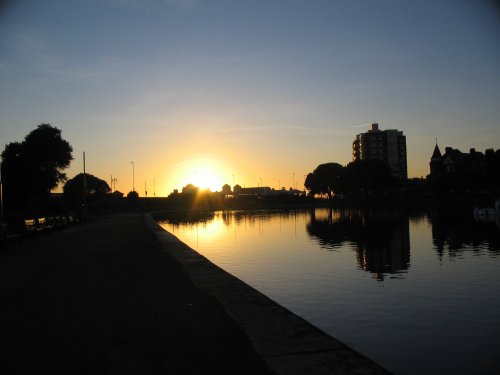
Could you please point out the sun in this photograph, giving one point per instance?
(203, 173)
(207, 178)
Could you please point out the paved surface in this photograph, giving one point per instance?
(102, 298)
(118, 295)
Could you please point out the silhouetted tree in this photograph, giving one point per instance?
(368, 176)
(133, 196)
(190, 189)
(325, 179)
(32, 168)
(14, 179)
(226, 189)
(74, 188)
(236, 189)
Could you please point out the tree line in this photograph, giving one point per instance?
(357, 177)
(32, 168)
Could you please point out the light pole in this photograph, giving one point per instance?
(84, 188)
(133, 175)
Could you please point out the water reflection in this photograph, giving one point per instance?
(381, 239)
(177, 218)
(455, 233)
(319, 262)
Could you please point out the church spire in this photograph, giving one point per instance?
(436, 155)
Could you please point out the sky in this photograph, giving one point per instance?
(249, 92)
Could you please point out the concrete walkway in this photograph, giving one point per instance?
(118, 295)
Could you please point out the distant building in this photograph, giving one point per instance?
(456, 162)
(264, 190)
(436, 163)
(386, 145)
(455, 170)
(117, 194)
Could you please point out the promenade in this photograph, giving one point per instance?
(117, 295)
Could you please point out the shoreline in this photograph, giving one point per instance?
(287, 343)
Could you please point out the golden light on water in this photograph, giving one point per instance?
(204, 233)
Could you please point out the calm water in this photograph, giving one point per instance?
(419, 294)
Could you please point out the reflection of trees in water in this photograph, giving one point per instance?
(252, 217)
(381, 239)
(457, 231)
(185, 217)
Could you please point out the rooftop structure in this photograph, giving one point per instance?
(386, 145)
(454, 161)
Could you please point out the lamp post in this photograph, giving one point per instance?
(133, 175)
(84, 211)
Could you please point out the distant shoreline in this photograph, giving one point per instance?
(421, 202)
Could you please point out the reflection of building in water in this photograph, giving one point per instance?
(455, 232)
(385, 246)
(381, 239)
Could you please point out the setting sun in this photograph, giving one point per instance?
(207, 178)
(203, 173)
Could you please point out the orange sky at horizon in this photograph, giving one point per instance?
(161, 175)
(249, 93)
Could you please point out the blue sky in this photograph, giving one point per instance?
(251, 91)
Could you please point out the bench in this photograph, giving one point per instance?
(17, 229)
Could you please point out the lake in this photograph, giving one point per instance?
(416, 292)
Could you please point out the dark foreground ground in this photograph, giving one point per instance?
(112, 296)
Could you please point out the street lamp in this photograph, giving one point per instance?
(133, 175)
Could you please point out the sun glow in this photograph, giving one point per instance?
(206, 178)
(205, 174)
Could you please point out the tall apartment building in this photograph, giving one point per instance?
(387, 145)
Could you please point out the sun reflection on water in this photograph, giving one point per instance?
(350, 273)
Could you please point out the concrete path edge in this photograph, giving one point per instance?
(286, 342)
